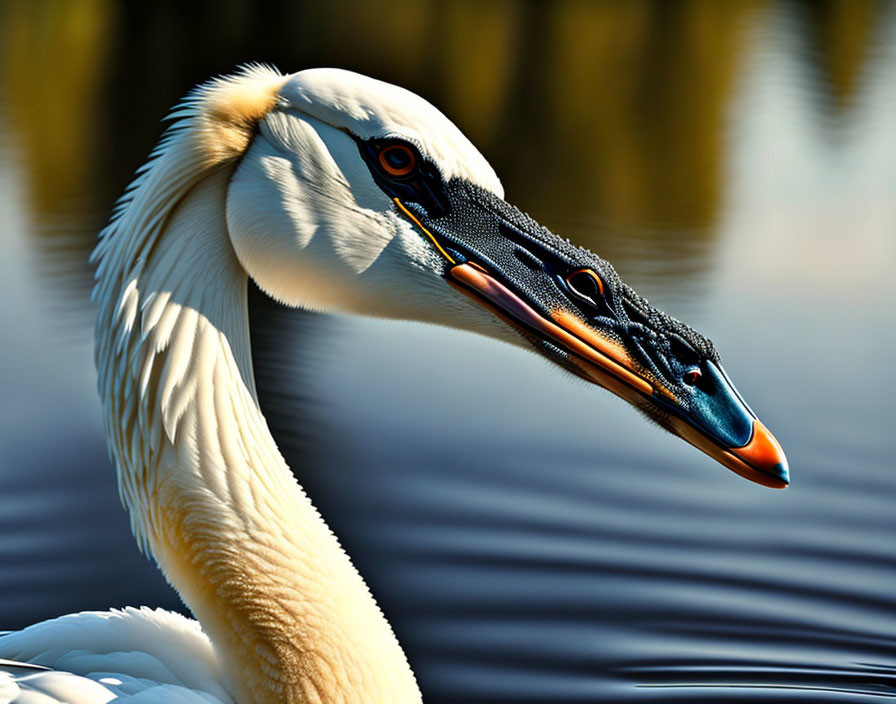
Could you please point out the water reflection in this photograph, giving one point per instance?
(623, 104)
(736, 161)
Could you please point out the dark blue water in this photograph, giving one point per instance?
(530, 537)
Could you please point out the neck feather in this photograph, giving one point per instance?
(209, 494)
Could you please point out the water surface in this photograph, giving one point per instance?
(530, 538)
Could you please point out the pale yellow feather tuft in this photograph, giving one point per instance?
(229, 110)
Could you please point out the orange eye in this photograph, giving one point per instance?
(397, 160)
(586, 284)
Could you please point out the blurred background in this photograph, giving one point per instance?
(736, 162)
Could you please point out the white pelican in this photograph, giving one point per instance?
(338, 193)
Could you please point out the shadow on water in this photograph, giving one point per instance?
(528, 537)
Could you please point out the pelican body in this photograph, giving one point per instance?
(337, 193)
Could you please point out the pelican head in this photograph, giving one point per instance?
(359, 196)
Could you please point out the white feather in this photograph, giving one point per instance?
(133, 655)
(371, 108)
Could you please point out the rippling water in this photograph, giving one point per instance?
(530, 537)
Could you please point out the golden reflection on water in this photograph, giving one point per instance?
(54, 56)
(841, 32)
(601, 117)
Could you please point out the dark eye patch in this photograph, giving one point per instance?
(400, 170)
